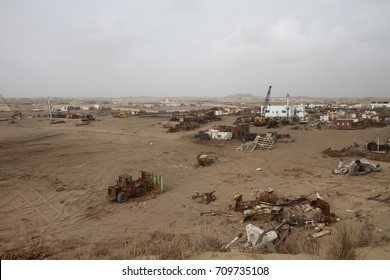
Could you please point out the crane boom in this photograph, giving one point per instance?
(266, 102)
(16, 113)
(6, 103)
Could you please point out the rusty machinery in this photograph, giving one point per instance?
(126, 188)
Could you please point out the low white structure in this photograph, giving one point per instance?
(283, 111)
(324, 118)
(379, 104)
(216, 134)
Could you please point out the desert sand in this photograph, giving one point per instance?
(54, 178)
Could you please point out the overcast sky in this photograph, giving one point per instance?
(81, 48)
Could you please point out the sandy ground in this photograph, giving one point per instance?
(53, 182)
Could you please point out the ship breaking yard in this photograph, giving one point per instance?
(228, 178)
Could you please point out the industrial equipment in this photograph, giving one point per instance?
(126, 187)
(266, 102)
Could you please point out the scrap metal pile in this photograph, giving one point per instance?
(357, 167)
(206, 159)
(227, 132)
(263, 142)
(282, 214)
(204, 198)
(176, 127)
(190, 122)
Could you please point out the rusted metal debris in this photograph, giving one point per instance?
(279, 215)
(202, 135)
(192, 121)
(57, 121)
(269, 206)
(237, 204)
(325, 216)
(349, 151)
(215, 213)
(205, 159)
(182, 126)
(126, 187)
(260, 142)
(267, 196)
(377, 198)
(357, 167)
(204, 198)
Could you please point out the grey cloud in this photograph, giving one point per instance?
(167, 48)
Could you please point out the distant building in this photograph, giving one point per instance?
(346, 122)
(324, 118)
(312, 106)
(379, 104)
(283, 111)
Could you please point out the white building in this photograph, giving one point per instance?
(380, 104)
(283, 111)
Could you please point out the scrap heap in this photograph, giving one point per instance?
(283, 214)
(178, 123)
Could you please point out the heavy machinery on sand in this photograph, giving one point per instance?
(126, 188)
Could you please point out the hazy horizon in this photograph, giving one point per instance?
(194, 48)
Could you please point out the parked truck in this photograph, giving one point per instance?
(126, 187)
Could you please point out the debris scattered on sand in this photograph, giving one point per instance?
(204, 198)
(357, 167)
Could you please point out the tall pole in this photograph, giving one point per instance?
(288, 105)
(377, 144)
(48, 102)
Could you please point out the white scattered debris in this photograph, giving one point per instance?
(256, 235)
(357, 167)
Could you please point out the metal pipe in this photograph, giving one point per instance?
(288, 104)
(377, 143)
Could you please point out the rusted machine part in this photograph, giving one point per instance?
(268, 197)
(205, 159)
(250, 215)
(204, 198)
(238, 205)
(322, 204)
(325, 216)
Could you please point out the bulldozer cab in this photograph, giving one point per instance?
(125, 180)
